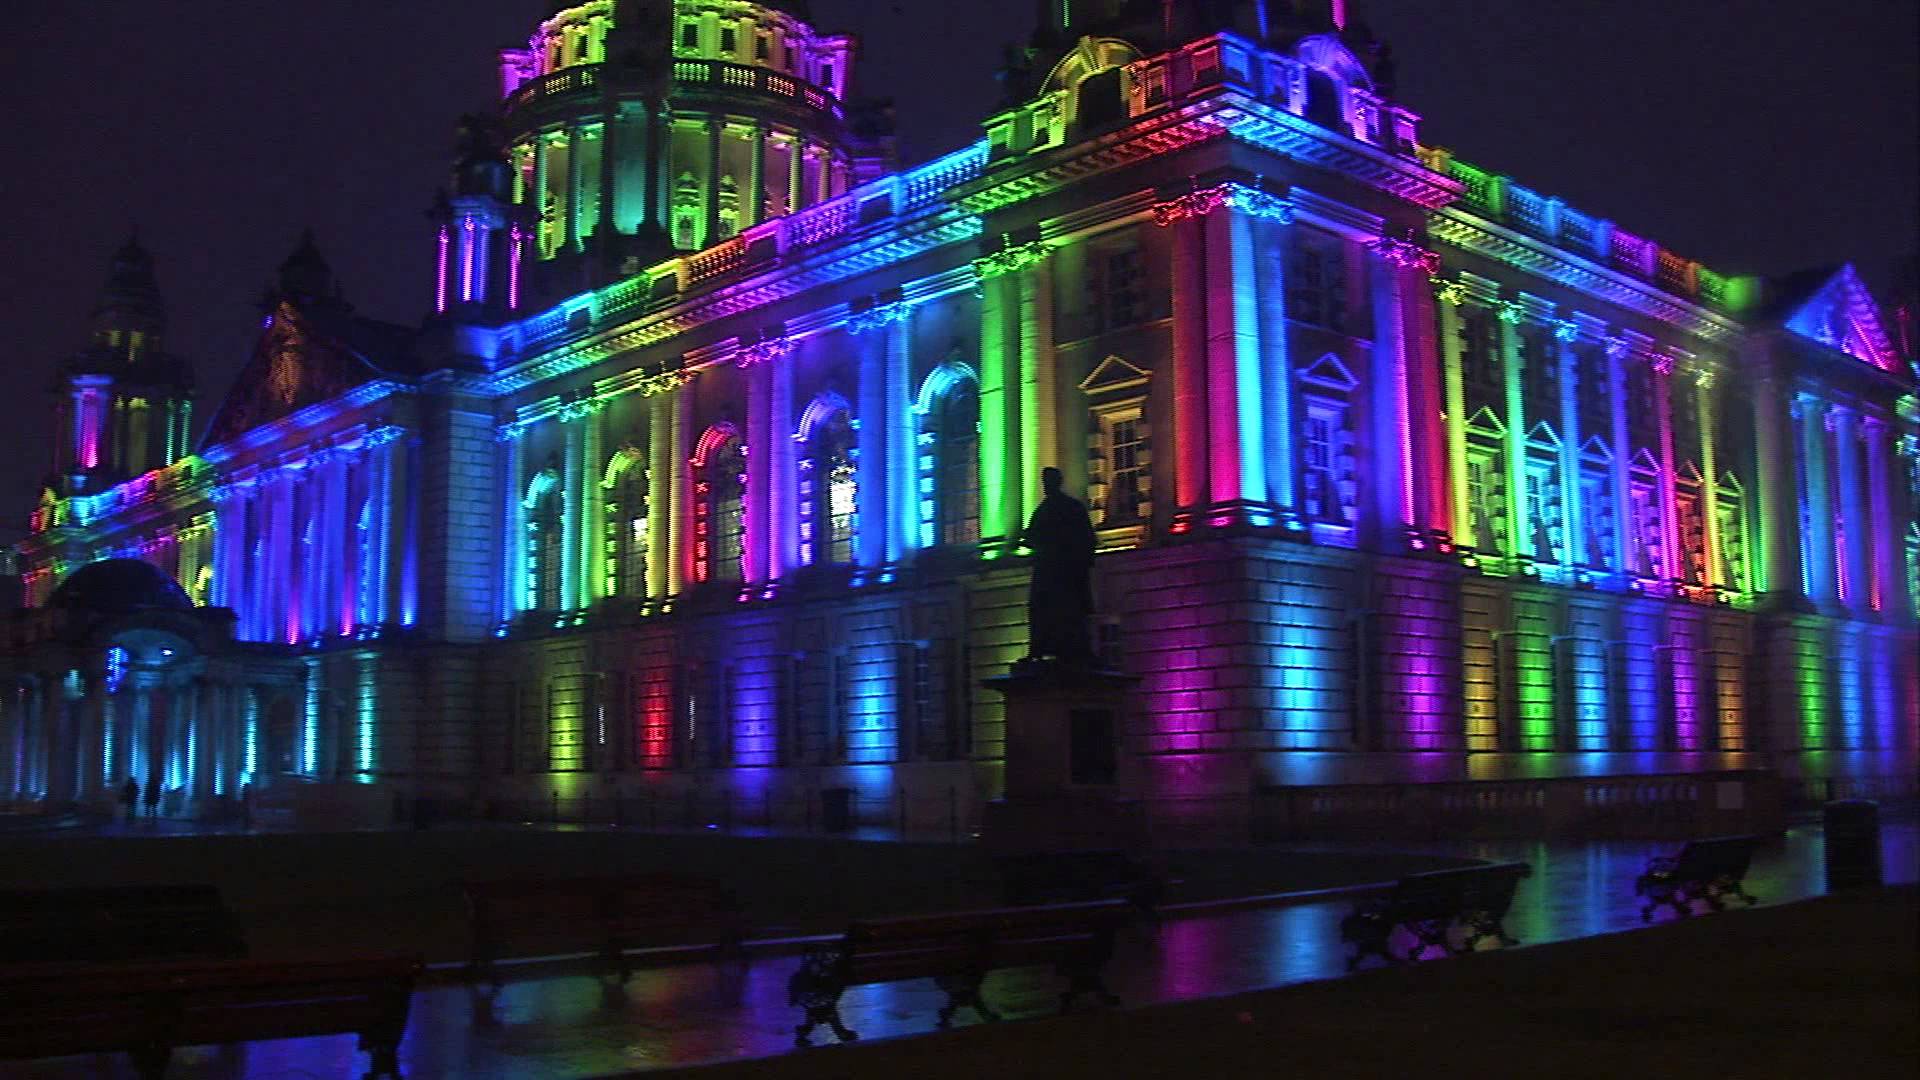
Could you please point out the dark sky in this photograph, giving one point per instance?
(1754, 136)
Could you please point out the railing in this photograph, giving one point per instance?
(757, 80)
(1620, 806)
(935, 812)
(572, 80)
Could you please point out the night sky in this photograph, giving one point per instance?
(1752, 136)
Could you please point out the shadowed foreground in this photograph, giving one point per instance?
(1826, 987)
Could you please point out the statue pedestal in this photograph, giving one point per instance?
(1068, 786)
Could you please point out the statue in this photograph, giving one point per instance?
(1060, 598)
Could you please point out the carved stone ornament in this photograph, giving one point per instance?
(1662, 363)
(1566, 330)
(1405, 254)
(877, 316)
(1203, 201)
(1511, 313)
(1010, 258)
(764, 351)
(1448, 292)
(665, 382)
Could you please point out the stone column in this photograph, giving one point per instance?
(1852, 502)
(1192, 441)
(1520, 532)
(1817, 516)
(1618, 357)
(901, 505)
(1885, 539)
(1000, 461)
(610, 146)
(592, 535)
(680, 491)
(1574, 506)
(783, 466)
(1391, 390)
(572, 492)
(576, 138)
(760, 433)
(1449, 297)
(798, 197)
(756, 188)
(1669, 498)
(1704, 382)
(871, 467)
(713, 128)
(662, 569)
(513, 585)
(542, 189)
(1039, 381)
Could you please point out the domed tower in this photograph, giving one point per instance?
(125, 403)
(1156, 25)
(637, 128)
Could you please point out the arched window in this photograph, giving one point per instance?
(719, 504)
(948, 457)
(624, 547)
(542, 505)
(827, 487)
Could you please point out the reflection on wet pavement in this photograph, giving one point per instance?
(574, 1025)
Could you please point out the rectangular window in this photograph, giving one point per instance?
(1645, 543)
(1693, 534)
(1122, 300)
(1317, 285)
(1486, 498)
(1328, 489)
(690, 36)
(1546, 520)
(1122, 487)
(762, 47)
(1733, 543)
(728, 42)
(1597, 516)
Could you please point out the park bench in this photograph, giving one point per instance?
(117, 925)
(608, 915)
(148, 1010)
(957, 950)
(1431, 906)
(1058, 877)
(1709, 870)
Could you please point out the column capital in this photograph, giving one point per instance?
(878, 316)
(1663, 363)
(666, 382)
(1837, 415)
(1451, 293)
(1200, 202)
(1510, 312)
(771, 346)
(1011, 257)
(1704, 378)
(1404, 254)
(1871, 426)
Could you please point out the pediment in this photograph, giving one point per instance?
(1842, 315)
(1115, 373)
(1329, 371)
(292, 368)
(1486, 420)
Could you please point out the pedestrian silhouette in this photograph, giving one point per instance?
(153, 796)
(130, 799)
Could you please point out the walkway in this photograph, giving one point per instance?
(569, 1025)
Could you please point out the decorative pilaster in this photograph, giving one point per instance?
(576, 183)
(662, 565)
(1450, 296)
(1843, 424)
(1887, 594)
(513, 584)
(885, 474)
(1001, 458)
(1221, 412)
(1619, 355)
(1420, 395)
(1669, 496)
(1817, 508)
(1520, 534)
(1704, 380)
(1574, 507)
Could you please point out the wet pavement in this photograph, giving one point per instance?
(564, 1025)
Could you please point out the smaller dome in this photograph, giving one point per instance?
(120, 587)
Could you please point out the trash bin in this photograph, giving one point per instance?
(836, 809)
(1853, 844)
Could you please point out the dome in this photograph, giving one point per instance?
(120, 587)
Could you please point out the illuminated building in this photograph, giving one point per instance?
(707, 472)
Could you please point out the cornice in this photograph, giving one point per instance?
(1469, 232)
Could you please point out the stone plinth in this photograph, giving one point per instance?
(1068, 785)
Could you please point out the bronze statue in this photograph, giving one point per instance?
(1060, 597)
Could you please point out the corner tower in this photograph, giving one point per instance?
(125, 404)
(636, 128)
